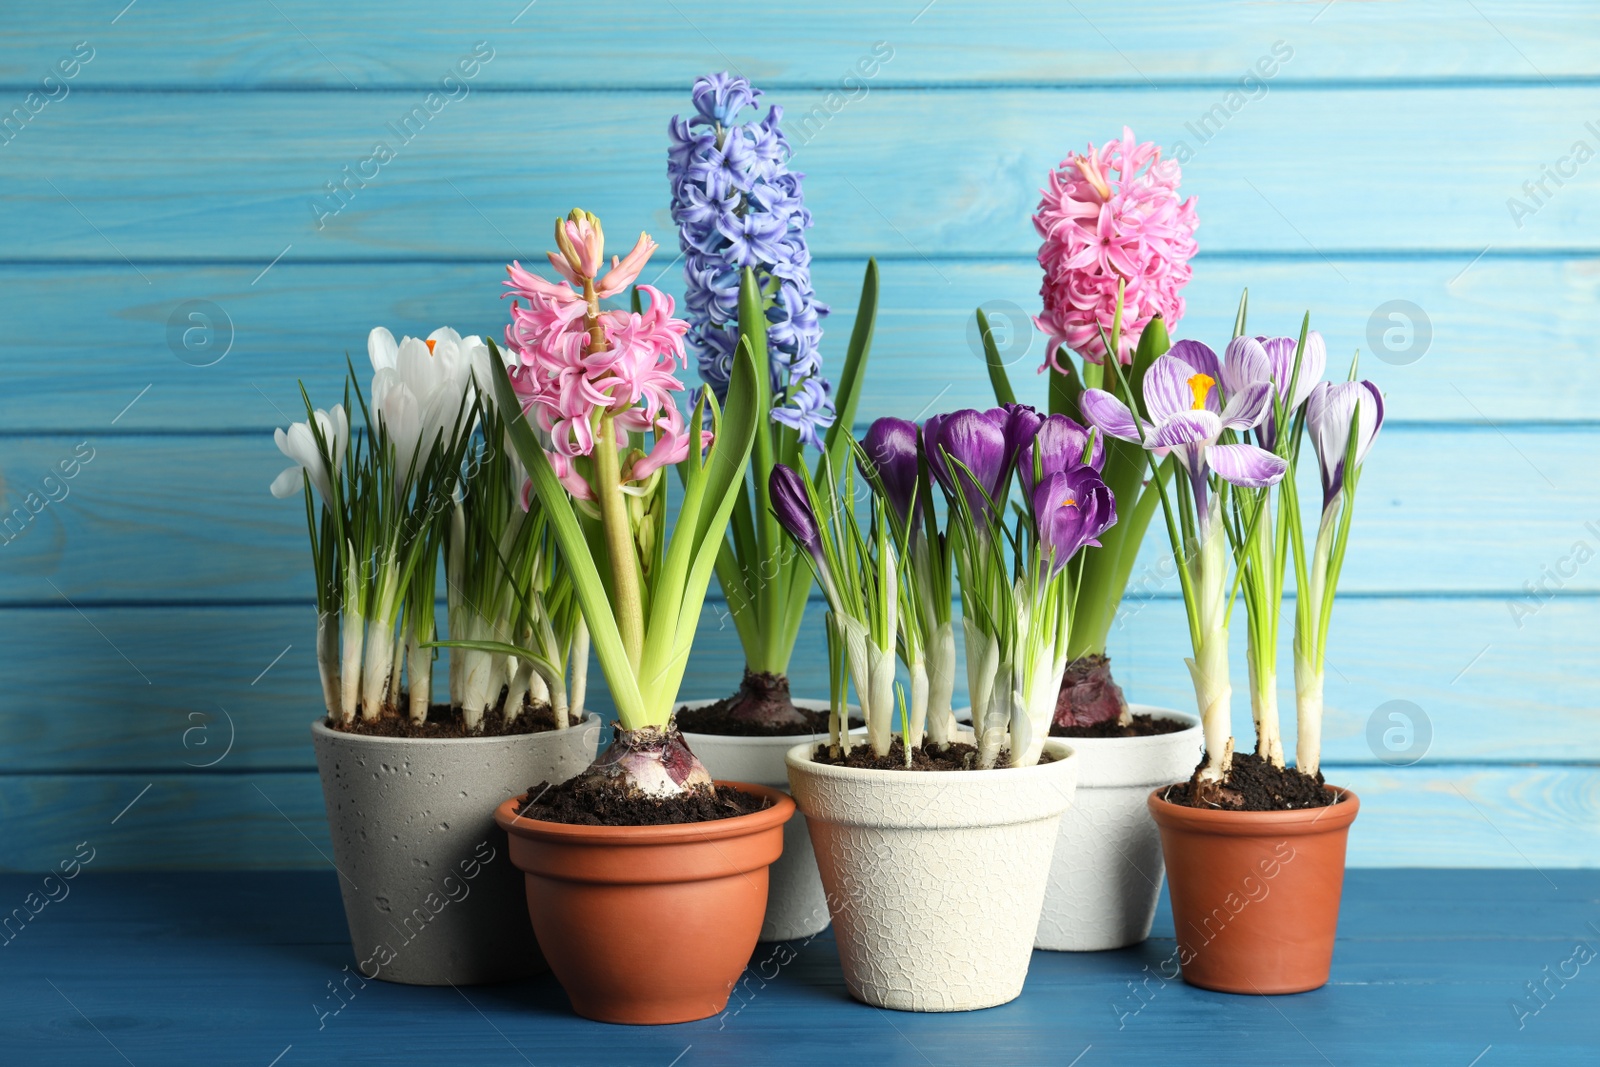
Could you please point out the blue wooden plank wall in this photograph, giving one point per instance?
(1420, 175)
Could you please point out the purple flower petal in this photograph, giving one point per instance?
(1185, 428)
(1071, 509)
(1246, 465)
(891, 450)
(1246, 409)
(1328, 415)
(1198, 355)
(792, 506)
(1169, 388)
(1059, 445)
(1108, 414)
(1244, 364)
(977, 441)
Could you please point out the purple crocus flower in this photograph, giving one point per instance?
(1059, 444)
(792, 505)
(1071, 509)
(738, 205)
(890, 448)
(1329, 412)
(1249, 360)
(978, 441)
(1187, 418)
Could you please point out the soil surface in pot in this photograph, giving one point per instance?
(566, 803)
(444, 721)
(761, 707)
(1254, 784)
(952, 757)
(1141, 726)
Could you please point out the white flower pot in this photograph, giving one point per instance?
(935, 878)
(796, 906)
(430, 895)
(1105, 878)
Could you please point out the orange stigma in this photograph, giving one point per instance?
(430, 343)
(1070, 502)
(1200, 385)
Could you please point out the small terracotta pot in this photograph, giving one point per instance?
(648, 924)
(1255, 894)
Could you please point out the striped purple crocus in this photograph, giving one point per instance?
(1187, 418)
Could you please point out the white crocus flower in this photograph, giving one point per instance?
(300, 444)
(420, 388)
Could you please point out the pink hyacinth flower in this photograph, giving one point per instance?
(1112, 216)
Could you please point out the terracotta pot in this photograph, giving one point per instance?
(934, 879)
(1255, 894)
(1105, 879)
(648, 924)
(429, 895)
(796, 905)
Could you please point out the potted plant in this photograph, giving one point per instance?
(1110, 220)
(742, 225)
(1254, 849)
(936, 879)
(408, 783)
(641, 845)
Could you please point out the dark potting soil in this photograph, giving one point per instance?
(719, 719)
(952, 757)
(566, 803)
(1254, 784)
(444, 721)
(1141, 726)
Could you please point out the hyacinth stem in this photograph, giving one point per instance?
(627, 603)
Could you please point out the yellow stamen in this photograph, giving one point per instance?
(430, 343)
(1200, 385)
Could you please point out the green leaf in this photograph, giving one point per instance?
(605, 638)
(847, 397)
(499, 648)
(1003, 393)
(1065, 389)
(1239, 319)
(1153, 344)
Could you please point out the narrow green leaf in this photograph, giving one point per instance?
(1239, 319)
(1003, 393)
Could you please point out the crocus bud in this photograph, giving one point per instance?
(890, 448)
(792, 506)
(975, 440)
(1329, 412)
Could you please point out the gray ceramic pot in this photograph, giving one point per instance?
(430, 895)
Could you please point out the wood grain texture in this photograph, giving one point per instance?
(1480, 688)
(241, 176)
(197, 512)
(657, 45)
(159, 607)
(1445, 815)
(196, 967)
(299, 319)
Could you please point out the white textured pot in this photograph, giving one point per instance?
(1105, 878)
(430, 894)
(935, 878)
(796, 905)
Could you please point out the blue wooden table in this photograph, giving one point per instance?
(1455, 967)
